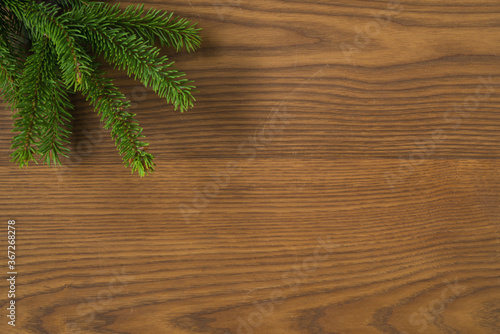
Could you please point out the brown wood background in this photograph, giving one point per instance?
(370, 153)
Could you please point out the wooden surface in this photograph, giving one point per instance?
(353, 195)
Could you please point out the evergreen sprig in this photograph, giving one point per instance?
(48, 50)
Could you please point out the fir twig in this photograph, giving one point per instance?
(56, 131)
(112, 105)
(43, 21)
(45, 55)
(33, 93)
(153, 25)
(140, 60)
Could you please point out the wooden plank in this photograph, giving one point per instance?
(310, 190)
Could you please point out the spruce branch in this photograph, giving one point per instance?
(42, 19)
(153, 25)
(140, 60)
(12, 55)
(56, 131)
(32, 94)
(8, 73)
(112, 105)
(48, 50)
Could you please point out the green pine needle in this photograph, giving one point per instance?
(45, 54)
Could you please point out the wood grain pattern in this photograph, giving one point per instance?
(338, 174)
